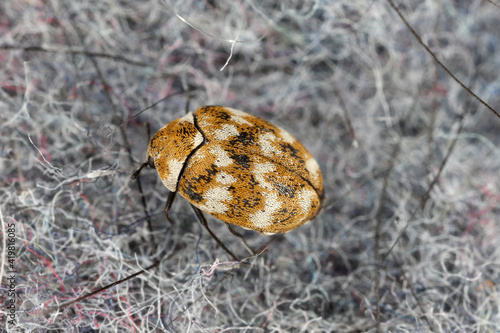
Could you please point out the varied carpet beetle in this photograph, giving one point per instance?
(238, 168)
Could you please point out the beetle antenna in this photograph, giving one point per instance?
(136, 173)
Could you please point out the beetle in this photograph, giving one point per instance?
(238, 168)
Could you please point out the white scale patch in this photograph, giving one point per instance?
(198, 139)
(225, 179)
(266, 143)
(306, 198)
(313, 167)
(264, 218)
(197, 157)
(226, 132)
(239, 116)
(259, 170)
(214, 200)
(174, 169)
(203, 123)
(188, 117)
(287, 137)
(223, 158)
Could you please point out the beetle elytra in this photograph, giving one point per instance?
(238, 168)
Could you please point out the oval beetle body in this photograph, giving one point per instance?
(238, 168)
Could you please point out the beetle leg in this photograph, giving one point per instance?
(149, 163)
(237, 234)
(203, 222)
(136, 172)
(168, 205)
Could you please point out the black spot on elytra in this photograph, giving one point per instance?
(290, 215)
(208, 177)
(186, 132)
(223, 115)
(217, 112)
(291, 150)
(212, 170)
(250, 202)
(191, 185)
(191, 191)
(251, 183)
(285, 190)
(152, 142)
(282, 211)
(240, 159)
(243, 139)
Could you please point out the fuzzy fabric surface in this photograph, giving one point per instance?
(407, 239)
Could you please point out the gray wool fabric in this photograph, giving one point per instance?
(406, 241)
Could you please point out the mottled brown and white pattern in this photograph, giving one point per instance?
(239, 168)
